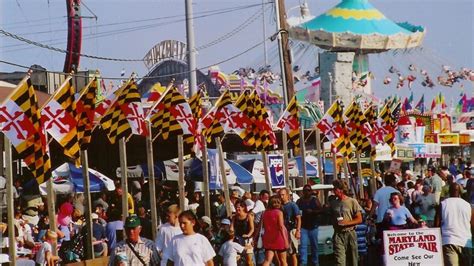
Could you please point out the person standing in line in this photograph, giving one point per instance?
(310, 209)
(454, 218)
(347, 213)
(189, 248)
(134, 250)
(167, 231)
(292, 217)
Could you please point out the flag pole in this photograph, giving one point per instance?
(359, 175)
(373, 182)
(205, 178)
(334, 161)
(285, 158)
(51, 200)
(88, 212)
(151, 180)
(10, 206)
(181, 172)
(303, 155)
(268, 183)
(346, 171)
(320, 162)
(224, 177)
(124, 177)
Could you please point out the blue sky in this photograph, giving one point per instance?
(449, 39)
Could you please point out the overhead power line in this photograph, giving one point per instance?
(148, 77)
(228, 35)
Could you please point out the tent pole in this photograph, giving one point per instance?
(10, 206)
(181, 173)
(224, 177)
(51, 200)
(151, 181)
(205, 178)
(88, 207)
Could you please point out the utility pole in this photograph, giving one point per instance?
(284, 52)
(265, 58)
(191, 49)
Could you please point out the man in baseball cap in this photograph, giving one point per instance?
(137, 250)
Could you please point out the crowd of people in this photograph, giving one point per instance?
(277, 227)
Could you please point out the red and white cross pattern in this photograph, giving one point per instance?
(15, 124)
(57, 121)
(288, 122)
(184, 115)
(136, 118)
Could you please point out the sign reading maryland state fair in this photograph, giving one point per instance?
(413, 247)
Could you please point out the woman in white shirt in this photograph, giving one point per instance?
(190, 248)
(167, 231)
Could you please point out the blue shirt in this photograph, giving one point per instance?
(290, 211)
(111, 233)
(399, 216)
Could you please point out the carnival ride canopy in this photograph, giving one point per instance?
(357, 25)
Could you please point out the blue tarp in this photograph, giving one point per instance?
(311, 171)
(77, 179)
(159, 167)
(243, 175)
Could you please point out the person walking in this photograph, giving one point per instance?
(243, 227)
(167, 231)
(275, 238)
(346, 214)
(382, 202)
(134, 250)
(292, 215)
(398, 215)
(454, 217)
(426, 203)
(189, 248)
(310, 209)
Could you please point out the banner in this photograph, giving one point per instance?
(413, 247)
(214, 169)
(275, 169)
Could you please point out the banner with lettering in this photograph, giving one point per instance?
(275, 168)
(214, 170)
(413, 247)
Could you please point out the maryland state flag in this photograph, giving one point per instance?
(171, 114)
(259, 135)
(125, 116)
(85, 107)
(333, 126)
(374, 135)
(289, 122)
(224, 117)
(20, 121)
(59, 119)
(387, 129)
(195, 102)
(358, 127)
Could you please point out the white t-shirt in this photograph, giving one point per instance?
(186, 250)
(382, 197)
(456, 222)
(41, 255)
(229, 251)
(164, 237)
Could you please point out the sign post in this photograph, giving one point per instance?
(224, 177)
(205, 178)
(124, 177)
(285, 158)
